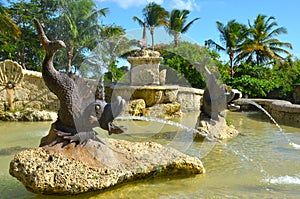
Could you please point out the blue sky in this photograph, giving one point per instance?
(286, 13)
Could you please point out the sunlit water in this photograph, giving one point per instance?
(259, 163)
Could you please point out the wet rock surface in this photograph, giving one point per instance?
(74, 169)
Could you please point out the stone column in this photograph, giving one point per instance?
(144, 70)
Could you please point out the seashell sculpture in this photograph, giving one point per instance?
(11, 74)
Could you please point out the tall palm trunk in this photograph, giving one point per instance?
(152, 36)
(257, 58)
(176, 38)
(231, 56)
(70, 56)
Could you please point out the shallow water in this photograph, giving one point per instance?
(259, 163)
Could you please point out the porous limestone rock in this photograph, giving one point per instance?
(164, 111)
(135, 107)
(96, 166)
(162, 77)
(218, 129)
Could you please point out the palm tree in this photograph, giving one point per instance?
(155, 16)
(231, 34)
(210, 43)
(82, 20)
(8, 26)
(261, 44)
(113, 43)
(176, 25)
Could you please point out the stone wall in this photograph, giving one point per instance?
(280, 110)
(32, 92)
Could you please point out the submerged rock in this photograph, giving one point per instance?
(11, 150)
(72, 169)
(28, 114)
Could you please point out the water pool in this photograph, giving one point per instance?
(259, 163)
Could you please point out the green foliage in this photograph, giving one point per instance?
(256, 43)
(260, 44)
(77, 24)
(185, 70)
(111, 45)
(182, 57)
(155, 15)
(8, 26)
(229, 121)
(285, 75)
(273, 81)
(252, 80)
(253, 86)
(26, 50)
(116, 74)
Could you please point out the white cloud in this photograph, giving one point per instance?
(132, 3)
(185, 4)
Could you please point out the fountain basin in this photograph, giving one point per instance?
(151, 94)
(188, 98)
(234, 176)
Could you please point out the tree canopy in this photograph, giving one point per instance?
(8, 26)
(259, 62)
(261, 44)
(77, 22)
(154, 16)
(231, 35)
(177, 23)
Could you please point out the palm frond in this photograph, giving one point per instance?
(72, 25)
(186, 27)
(141, 23)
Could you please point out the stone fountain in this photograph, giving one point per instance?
(146, 87)
(71, 159)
